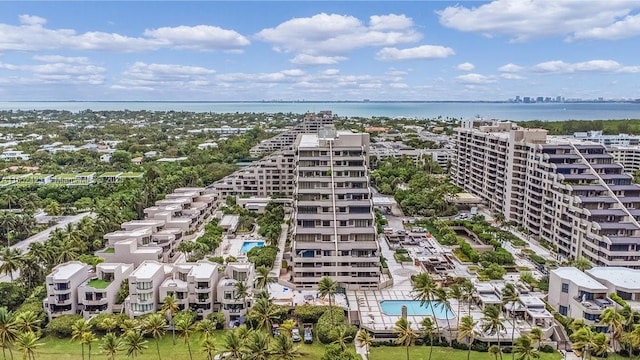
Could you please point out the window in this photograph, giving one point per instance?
(144, 285)
(565, 288)
(592, 317)
(563, 310)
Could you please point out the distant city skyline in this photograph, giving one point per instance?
(314, 51)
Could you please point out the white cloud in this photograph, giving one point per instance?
(522, 20)
(467, 66)
(331, 72)
(61, 59)
(399, 86)
(57, 72)
(305, 59)
(334, 34)
(293, 72)
(511, 76)
(198, 37)
(475, 79)
(31, 35)
(396, 72)
(628, 27)
(558, 66)
(510, 68)
(420, 52)
(144, 75)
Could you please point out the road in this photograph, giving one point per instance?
(43, 236)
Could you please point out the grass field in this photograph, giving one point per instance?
(65, 349)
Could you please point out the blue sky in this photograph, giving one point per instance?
(329, 50)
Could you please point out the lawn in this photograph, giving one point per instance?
(99, 283)
(439, 353)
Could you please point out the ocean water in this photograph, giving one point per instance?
(503, 111)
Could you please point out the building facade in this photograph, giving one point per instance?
(569, 193)
(62, 285)
(333, 223)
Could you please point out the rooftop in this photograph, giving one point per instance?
(618, 276)
(67, 270)
(147, 269)
(579, 278)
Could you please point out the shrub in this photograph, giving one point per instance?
(328, 324)
(620, 301)
(480, 347)
(97, 321)
(507, 349)
(216, 259)
(61, 326)
(547, 349)
(311, 313)
(263, 256)
(537, 259)
(218, 318)
(34, 306)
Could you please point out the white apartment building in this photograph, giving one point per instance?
(144, 288)
(627, 156)
(231, 304)
(622, 281)
(98, 293)
(569, 193)
(193, 285)
(577, 295)
(13, 155)
(397, 150)
(62, 285)
(607, 140)
(333, 224)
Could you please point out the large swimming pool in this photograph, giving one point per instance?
(394, 307)
(248, 245)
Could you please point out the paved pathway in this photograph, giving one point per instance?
(43, 236)
(360, 349)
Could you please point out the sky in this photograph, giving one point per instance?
(319, 50)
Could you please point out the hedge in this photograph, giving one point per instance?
(61, 326)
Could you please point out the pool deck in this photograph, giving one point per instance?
(233, 247)
(372, 316)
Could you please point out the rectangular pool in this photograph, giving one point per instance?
(248, 245)
(394, 307)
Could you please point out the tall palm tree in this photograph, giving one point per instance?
(495, 350)
(241, 291)
(208, 347)
(87, 339)
(111, 345)
(233, 344)
(442, 298)
(11, 261)
(284, 349)
(328, 287)
(536, 335)
(258, 346)
(456, 291)
(466, 330)
(156, 326)
(78, 331)
(28, 321)
(129, 325)
(265, 313)
(406, 335)
(262, 277)
(510, 297)
(581, 264)
(8, 331)
(614, 321)
(424, 289)
(600, 345)
(428, 330)
(170, 307)
(524, 348)
(468, 290)
(185, 326)
(582, 341)
(492, 323)
(342, 337)
(134, 343)
(365, 339)
(207, 327)
(27, 343)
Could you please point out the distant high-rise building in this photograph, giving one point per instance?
(539, 99)
(526, 99)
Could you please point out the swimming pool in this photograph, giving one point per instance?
(248, 245)
(394, 307)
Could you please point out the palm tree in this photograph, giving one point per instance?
(536, 335)
(283, 348)
(581, 264)
(406, 335)
(233, 344)
(208, 347)
(510, 296)
(109, 324)
(185, 326)
(468, 290)
(441, 296)
(582, 341)
(258, 346)
(134, 343)
(466, 330)
(600, 345)
(28, 321)
(241, 291)
(156, 326)
(614, 321)
(524, 348)
(129, 325)
(265, 313)
(424, 289)
(27, 343)
(111, 345)
(428, 330)
(88, 338)
(287, 327)
(342, 337)
(78, 331)
(328, 287)
(365, 339)
(11, 261)
(492, 323)
(495, 350)
(207, 327)
(262, 277)
(170, 306)
(456, 291)
(8, 331)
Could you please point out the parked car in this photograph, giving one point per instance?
(275, 329)
(295, 335)
(308, 333)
